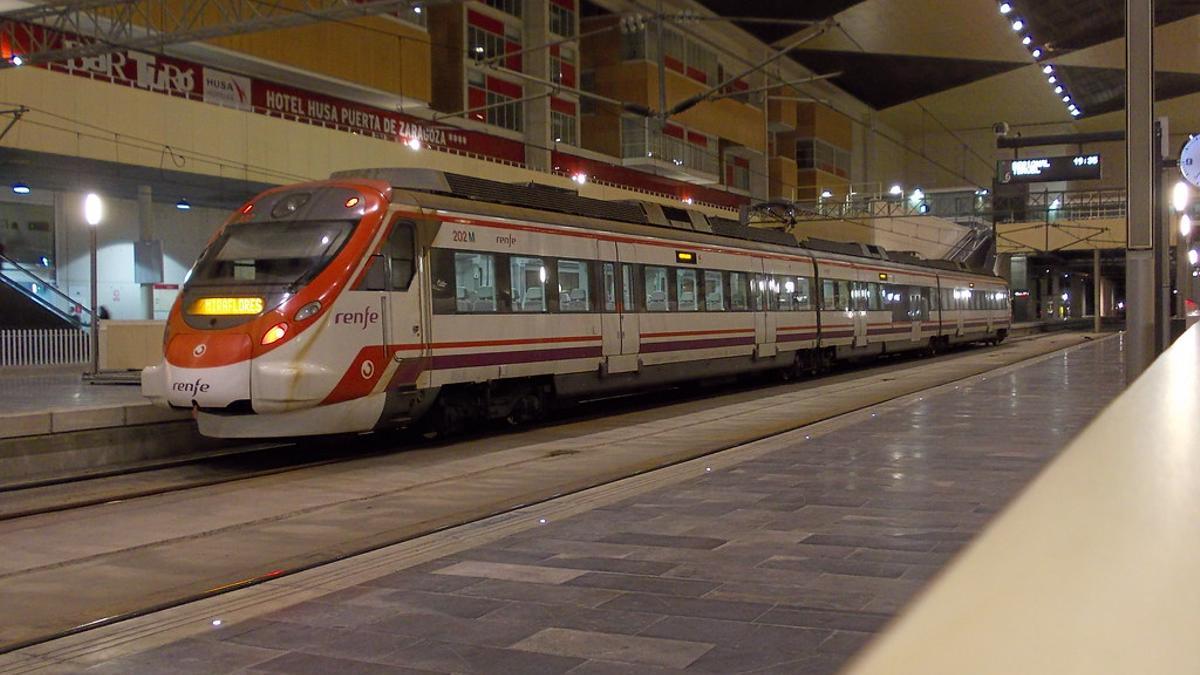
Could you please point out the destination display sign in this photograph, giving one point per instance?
(1047, 169)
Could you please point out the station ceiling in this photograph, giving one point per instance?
(961, 61)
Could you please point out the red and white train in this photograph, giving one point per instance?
(382, 296)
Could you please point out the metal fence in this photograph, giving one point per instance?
(50, 347)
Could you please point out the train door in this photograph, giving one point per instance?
(858, 304)
(989, 302)
(610, 317)
(763, 293)
(395, 272)
(625, 359)
(960, 305)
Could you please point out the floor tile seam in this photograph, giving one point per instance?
(1049, 355)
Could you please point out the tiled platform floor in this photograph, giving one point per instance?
(44, 393)
(786, 563)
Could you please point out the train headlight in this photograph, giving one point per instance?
(275, 333)
(307, 311)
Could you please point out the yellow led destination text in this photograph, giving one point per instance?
(227, 306)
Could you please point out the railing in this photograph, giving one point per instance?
(1092, 569)
(971, 205)
(43, 291)
(53, 347)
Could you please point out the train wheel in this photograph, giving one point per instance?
(529, 408)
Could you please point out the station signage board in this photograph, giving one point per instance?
(1048, 169)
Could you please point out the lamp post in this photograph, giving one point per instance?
(93, 211)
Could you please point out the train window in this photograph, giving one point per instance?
(785, 290)
(610, 287)
(874, 301)
(738, 292)
(400, 249)
(687, 290)
(714, 291)
(474, 282)
(924, 296)
(656, 289)
(574, 291)
(442, 280)
(627, 278)
(759, 292)
(803, 299)
(528, 284)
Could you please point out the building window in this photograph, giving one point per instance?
(633, 45)
(562, 65)
(587, 82)
(494, 100)
(675, 144)
(512, 7)
(813, 153)
(701, 63)
(562, 17)
(488, 37)
(737, 172)
(563, 122)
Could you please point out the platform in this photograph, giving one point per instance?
(783, 555)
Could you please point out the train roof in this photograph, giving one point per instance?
(554, 199)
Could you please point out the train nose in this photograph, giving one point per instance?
(208, 370)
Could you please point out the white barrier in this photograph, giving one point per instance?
(49, 347)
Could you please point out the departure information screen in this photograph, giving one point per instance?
(1046, 169)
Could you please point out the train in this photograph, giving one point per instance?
(387, 298)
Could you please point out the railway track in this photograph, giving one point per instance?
(257, 460)
(299, 517)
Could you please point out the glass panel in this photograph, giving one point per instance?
(528, 284)
(627, 289)
(27, 235)
(685, 290)
(714, 291)
(475, 282)
(269, 253)
(802, 298)
(656, 289)
(574, 291)
(610, 288)
(738, 300)
(843, 295)
(874, 302)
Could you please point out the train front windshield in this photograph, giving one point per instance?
(270, 253)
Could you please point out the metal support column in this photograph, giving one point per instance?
(1141, 154)
(1095, 290)
(146, 233)
(94, 333)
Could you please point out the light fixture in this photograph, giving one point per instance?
(349, 203)
(917, 194)
(558, 139)
(1185, 225)
(1058, 89)
(1047, 69)
(896, 190)
(1052, 79)
(183, 204)
(413, 143)
(20, 189)
(1005, 8)
(1193, 256)
(479, 50)
(93, 209)
(274, 333)
(1181, 194)
(1037, 53)
(1066, 99)
(826, 194)
(1018, 24)
(17, 60)
(1076, 112)
(688, 200)
(417, 9)
(579, 177)
(1026, 40)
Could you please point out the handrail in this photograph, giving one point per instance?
(49, 286)
(1093, 569)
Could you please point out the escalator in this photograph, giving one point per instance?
(27, 301)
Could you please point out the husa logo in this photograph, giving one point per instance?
(361, 319)
(193, 388)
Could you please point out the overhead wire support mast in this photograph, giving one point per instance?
(35, 34)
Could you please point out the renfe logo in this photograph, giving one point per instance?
(362, 319)
(193, 388)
